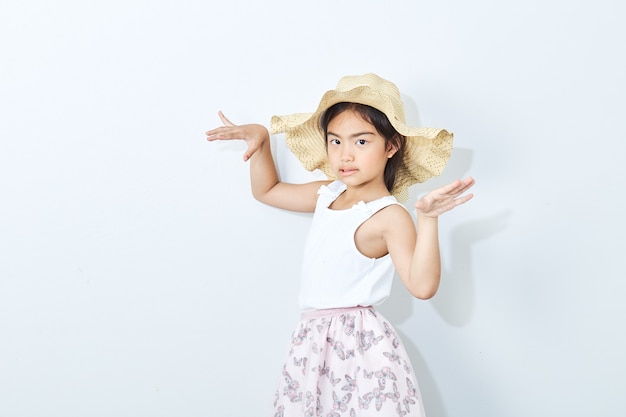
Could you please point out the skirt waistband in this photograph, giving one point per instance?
(316, 314)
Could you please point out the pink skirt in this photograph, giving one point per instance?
(346, 362)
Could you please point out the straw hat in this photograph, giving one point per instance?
(427, 149)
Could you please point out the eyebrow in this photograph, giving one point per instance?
(351, 136)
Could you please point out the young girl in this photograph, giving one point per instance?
(345, 359)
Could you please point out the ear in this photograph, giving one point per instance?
(391, 150)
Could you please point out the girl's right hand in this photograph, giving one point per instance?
(254, 135)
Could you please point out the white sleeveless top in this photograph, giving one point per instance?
(334, 273)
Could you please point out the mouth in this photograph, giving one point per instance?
(345, 172)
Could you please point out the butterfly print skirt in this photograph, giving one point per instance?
(346, 362)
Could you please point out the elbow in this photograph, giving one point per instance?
(260, 195)
(264, 193)
(426, 290)
(425, 294)
(264, 198)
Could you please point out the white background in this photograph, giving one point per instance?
(138, 277)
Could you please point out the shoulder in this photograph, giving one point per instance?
(391, 215)
(395, 221)
(394, 213)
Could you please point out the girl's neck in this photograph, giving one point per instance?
(354, 195)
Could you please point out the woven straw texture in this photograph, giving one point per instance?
(427, 149)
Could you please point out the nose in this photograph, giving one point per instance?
(346, 154)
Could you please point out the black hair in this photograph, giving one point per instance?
(383, 127)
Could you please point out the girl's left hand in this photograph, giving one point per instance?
(445, 198)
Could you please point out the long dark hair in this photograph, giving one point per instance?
(383, 127)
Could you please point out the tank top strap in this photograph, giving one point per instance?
(377, 205)
(329, 193)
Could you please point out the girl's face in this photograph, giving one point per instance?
(357, 153)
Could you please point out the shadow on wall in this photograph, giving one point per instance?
(397, 309)
(431, 396)
(456, 298)
(455, 302)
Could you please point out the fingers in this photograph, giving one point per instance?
(436, 210)
(445, 198)
(457, 187)
(224, 119)
(226, 132)
(467, 183)
(223, 133)
(463, 200)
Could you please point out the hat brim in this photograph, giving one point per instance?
(427, 149)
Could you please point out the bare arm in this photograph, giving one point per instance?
(264, 181)
(416, 253)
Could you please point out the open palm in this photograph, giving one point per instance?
(445, 198)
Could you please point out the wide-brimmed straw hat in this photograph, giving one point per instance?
(427, 149)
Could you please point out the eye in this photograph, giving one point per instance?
(334, 141)
(361, 142)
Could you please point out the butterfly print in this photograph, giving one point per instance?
(337, 348)
(412, 389)
(364, 402)
(366, 339)
(328, 371)
(408, 402)
(400, 411)
(406, 366)
(392, 356)
(323, 370)
(350, 384)
(383, 375)
(292, 384)
(348, 321)
(318, 407)
(395, 395)
(341, 403)
(301, 363)
(291, 389)
(388, 332)
(380, 398)
(301, 336)
(308, 399)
